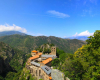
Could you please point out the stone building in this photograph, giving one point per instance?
(53, 50)
(40, 64)
(34, 52)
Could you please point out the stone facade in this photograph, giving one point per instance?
(53, 50)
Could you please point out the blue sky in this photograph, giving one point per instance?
(60, 18)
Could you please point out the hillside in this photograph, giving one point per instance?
(11, 60)
(28, 43)
(5, 33)
(84, 64)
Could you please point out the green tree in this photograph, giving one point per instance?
(46, 50)
(1, 78)
(63, 57)
(58, 52)
(85, 64)
(10, 76)
(55, 62)
(94, 40)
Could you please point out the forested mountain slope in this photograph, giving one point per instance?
(11, 60)
(28, 43)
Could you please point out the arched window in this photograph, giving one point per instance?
(39, 72)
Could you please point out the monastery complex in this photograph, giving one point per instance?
(40, 64)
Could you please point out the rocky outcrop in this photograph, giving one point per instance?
(57, 75)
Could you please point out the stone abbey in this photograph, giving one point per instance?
(40, 64)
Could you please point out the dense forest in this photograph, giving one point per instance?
(84, 64)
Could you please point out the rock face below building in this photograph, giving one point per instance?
(57, 75)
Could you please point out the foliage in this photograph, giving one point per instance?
(62, 57)
(46, 50)
(10, 76)
(25, 75)
(85, 63)
(52, 45)
(12, 61)
(1, 78)
(59, 51)
(94, 40)
(56, 62)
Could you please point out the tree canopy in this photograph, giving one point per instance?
(85, 63)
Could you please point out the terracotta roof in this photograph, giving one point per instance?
(50, 77)
(34, 51)
(47, 60)
(39, 53)
(34, 57)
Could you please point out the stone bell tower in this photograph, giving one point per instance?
(53, 50)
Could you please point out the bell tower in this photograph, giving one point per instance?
(53, 50)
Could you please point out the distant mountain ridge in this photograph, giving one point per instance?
(28, 43)
(6, 33)
(83, 38)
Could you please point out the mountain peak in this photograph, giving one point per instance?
(6, 33)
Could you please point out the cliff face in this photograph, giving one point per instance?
(4, 67)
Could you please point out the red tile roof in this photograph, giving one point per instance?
(34, 57)
(50, 78)
(47, 61)
(39, 53)
(34, 51)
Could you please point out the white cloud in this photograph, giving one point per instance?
(58, 14)
(85, 33)
(7, 27)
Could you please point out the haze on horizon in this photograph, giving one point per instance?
(58, 18)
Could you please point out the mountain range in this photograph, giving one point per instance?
(5, 33)
(15, 48)
(27, 43)
(83, 38)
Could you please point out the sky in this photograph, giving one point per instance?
(60, 18)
